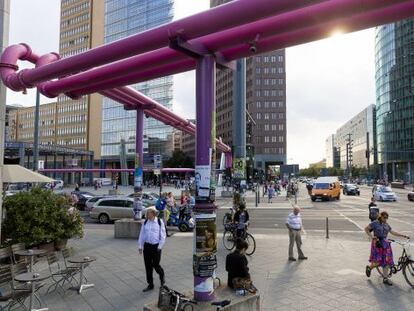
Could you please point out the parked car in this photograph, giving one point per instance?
(112, 208)
(83, 196)
(147, 198)
(90, 202)
(383, 193)
(351, 189)
(410, 196)
(14, 188)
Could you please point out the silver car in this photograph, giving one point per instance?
(112, 208)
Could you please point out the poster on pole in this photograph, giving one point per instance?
(202, 182)
(205, 245)
(137, 173)
(239, 168)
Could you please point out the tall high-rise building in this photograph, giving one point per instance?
(122, 19)
(79, 121)
(394, 74)
(266, 103)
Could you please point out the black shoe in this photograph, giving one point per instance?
(387, 282)
(303, 258)
(292, 259)
(148, 288)
(368, 271)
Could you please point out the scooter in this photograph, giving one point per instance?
(182, 218)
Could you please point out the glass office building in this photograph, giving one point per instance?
(394, 61)
(124, 18)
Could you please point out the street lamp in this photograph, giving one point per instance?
(385, 150)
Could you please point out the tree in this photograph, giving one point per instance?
(179, 159)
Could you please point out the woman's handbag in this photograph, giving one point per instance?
(244, 283)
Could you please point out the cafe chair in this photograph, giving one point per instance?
(58, 274)
(9, 295)
(18, 247)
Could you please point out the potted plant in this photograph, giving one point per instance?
(72, 228)
(38, 218)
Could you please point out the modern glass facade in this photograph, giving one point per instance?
(124, 18)
(394, 61)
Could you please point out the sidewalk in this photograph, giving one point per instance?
(332, 279)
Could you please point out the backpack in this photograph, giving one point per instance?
(373, 212)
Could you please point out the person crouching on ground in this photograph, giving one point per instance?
(381, 251)
(236, 263)
(151, 241)
(294, 225)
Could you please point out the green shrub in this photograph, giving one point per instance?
(40, 216)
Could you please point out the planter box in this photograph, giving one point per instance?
(127, 228)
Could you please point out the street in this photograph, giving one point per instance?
(347, 217)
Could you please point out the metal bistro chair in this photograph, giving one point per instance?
(59, 275)
(18, 247)
(6, 255)
(9, 295)
(68, 252)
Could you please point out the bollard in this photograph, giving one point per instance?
(327, 228)
(256, 193)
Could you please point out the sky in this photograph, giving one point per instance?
(328, 81)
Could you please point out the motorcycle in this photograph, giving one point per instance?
(182, 218)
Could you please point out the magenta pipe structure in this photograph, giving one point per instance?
(112, 170)
(121, 71)
(320, 31)
(132, 98)
(216, 19)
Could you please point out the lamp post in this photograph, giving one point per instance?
(385, 150)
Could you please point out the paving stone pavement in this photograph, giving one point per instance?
(331, 279)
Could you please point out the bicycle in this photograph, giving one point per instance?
(230, 236)
(170, 299)
(405, 262)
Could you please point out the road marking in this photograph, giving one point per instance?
(350, 220)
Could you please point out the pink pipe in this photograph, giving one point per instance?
(320, 31)
(129, 96)
(216, 19)
(112, 170)
(8, 63)
(174, 68)
(290, 21)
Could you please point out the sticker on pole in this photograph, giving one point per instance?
(202, 182)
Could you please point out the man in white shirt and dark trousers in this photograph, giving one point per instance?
(294, 225)
(151, 241)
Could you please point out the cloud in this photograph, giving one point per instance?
(36, 23)
(328, 82)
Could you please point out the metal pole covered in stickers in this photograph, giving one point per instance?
(205, 233)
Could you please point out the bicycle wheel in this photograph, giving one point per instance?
(408, 272)
(252, 244)
(228, 240)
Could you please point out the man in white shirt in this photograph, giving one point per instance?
(294, 225)
(151, 241)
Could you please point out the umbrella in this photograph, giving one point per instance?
(13, 173)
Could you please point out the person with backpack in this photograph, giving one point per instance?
(373, 210)
(150, 243)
